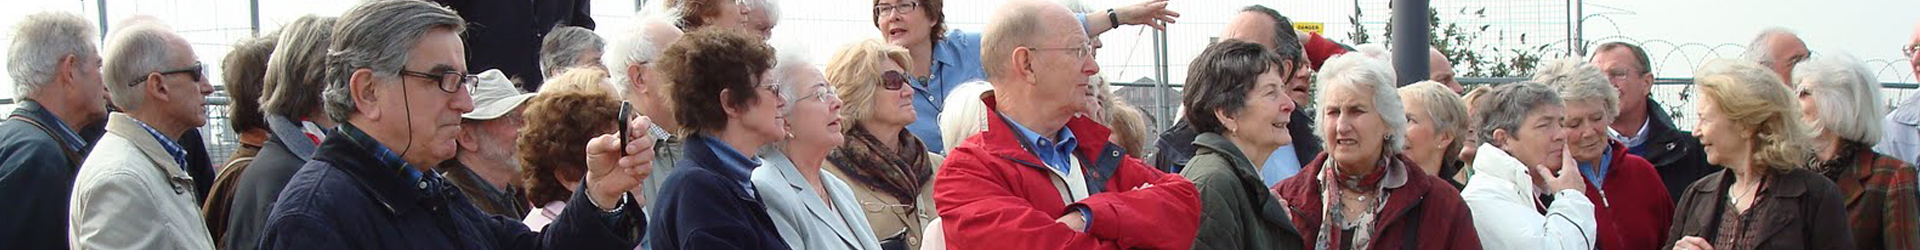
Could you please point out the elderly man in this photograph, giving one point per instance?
(1023, 183)
(135, 183)
(1778, 49)
(762, 15)
(398, 89)
(1902, 138)
(638, 82)
(56, 72)
(486, 169)
(569, 47)
(1441, 70)
(1643, 125)
(1262, 25)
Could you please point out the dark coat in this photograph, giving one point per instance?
(1237, 210)
(1674, 153)
(702, 206)
(199, 163)
(1176, 147)
(1804, 209)
(256, 190)
(347, 198)
(506, 34)
(1423, 213)
(36, 171)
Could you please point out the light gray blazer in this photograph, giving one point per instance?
(802, 217)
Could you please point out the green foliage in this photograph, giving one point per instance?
(1468, 47)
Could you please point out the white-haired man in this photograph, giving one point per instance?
(134, 191)
(629, 58)
(56, 74)
(1779, 49)
(1024, 182)
(1902, 126)
(398, 89)
(486, 169)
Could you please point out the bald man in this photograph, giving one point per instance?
(1779, 49)
(1040, 177)
(1903, 124)
(1441, 70)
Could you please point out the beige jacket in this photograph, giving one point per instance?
(889, 216)
(130, 194)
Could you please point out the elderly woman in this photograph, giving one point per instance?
(572, 108)
(1524, 195)
(1436, 126)
(290, 100)
(726, 112)
(812, 208)
(1362, 193)
(1632, 207)
(942, 59)
(891, 171)
(1766, 198)
(1236, 99)
(1128, 124)
(1839, 99)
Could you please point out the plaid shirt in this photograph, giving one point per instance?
(1879, 193)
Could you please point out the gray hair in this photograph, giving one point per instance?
(1847, 95)
(296, 72)
(772, 8)
(1361, 74)
(638, 44)
(1578, 81)
(789, 62)
(564, 45)
(134, 53)
(1761, 45)
(40, 42)
(1506, 107)
(964, 114)
(384, 32)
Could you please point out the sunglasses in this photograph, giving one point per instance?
(197, 71)
(893, 80)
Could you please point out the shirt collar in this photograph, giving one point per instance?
(74, 142)
(380, 152)
(1055, 153)
(173, 148)
(1631, 141)
(732, 163)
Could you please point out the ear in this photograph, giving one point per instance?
(360, 87)
(1444, 140)
(1500, 138)
(466, 139)
(156, 88)
(69, 65)
(726, 96)
(634, 76)
(1023, 63)
(1226, 120)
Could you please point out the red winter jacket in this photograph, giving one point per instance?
(993, 194)
(1633, 210)
(1423, 213)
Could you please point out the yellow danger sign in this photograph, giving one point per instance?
(1311, 27)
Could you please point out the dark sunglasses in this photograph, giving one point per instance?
(893, 80)
(197, 71)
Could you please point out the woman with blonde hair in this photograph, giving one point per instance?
(1436, 130)
(890, 170)
(1766, 197)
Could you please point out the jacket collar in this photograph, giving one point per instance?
(814, 203)
(34, 110)
(1221, 145)
(399, 187)
(1405, 194)
(1782, 185)
(1660, 128)
(124, 126)
(291, 136)
(728, 162)
(1098, 156)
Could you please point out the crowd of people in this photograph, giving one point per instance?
(687, 130)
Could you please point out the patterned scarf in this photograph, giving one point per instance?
(899, 173)
(1333, 202)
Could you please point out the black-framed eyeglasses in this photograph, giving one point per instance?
(449, 81)
(198, 71)
(893, 80)
(1085, 50)
(896, 9)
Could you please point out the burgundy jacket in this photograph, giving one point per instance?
(1633, 209)
(1423, 213)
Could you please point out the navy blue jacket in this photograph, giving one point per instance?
(36, 172)
(348, 198)
(506, 34)
(702, 205)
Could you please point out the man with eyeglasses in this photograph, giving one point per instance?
(398, 88)
(1040, 177)
(134, 191)
(1903, 124)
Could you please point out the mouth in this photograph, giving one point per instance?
(896, 33)
(835, 122)
(1346, 142)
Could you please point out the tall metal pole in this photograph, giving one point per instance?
(1162, 87)
(1577, 31)
(1410, 40)
(253, 12)
(102, 7)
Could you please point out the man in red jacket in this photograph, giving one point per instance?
(1041, 178)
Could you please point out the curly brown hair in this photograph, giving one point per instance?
(694, 13)
(569, 110)
(704, 63)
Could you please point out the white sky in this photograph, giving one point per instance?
(1869, 29)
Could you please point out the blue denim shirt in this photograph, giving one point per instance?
(1598, 175)
(734, 163)
(1057, 154)
(173, 148)
(956, 60)
(1280, 165)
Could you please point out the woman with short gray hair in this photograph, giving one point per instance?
(569, 47)
(1840, 101)
(1524, 158)
(792, 180)
(1625, 187)
(1355, 194)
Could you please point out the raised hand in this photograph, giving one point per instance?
(610, 173)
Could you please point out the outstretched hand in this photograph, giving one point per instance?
(1152, 13)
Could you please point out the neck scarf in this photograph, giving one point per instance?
(899, 172)
(1335, 205)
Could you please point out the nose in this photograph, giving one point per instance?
(1088, 66)
(1286, 105)
(462, 101)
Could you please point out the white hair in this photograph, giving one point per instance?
(133, 53)
(638, 44)
(40, 41)
(964, 115)
(1762, 44)
(772, 8)
(1362, 74)
(1578, 81)
(1847, 95)
(789, 61)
